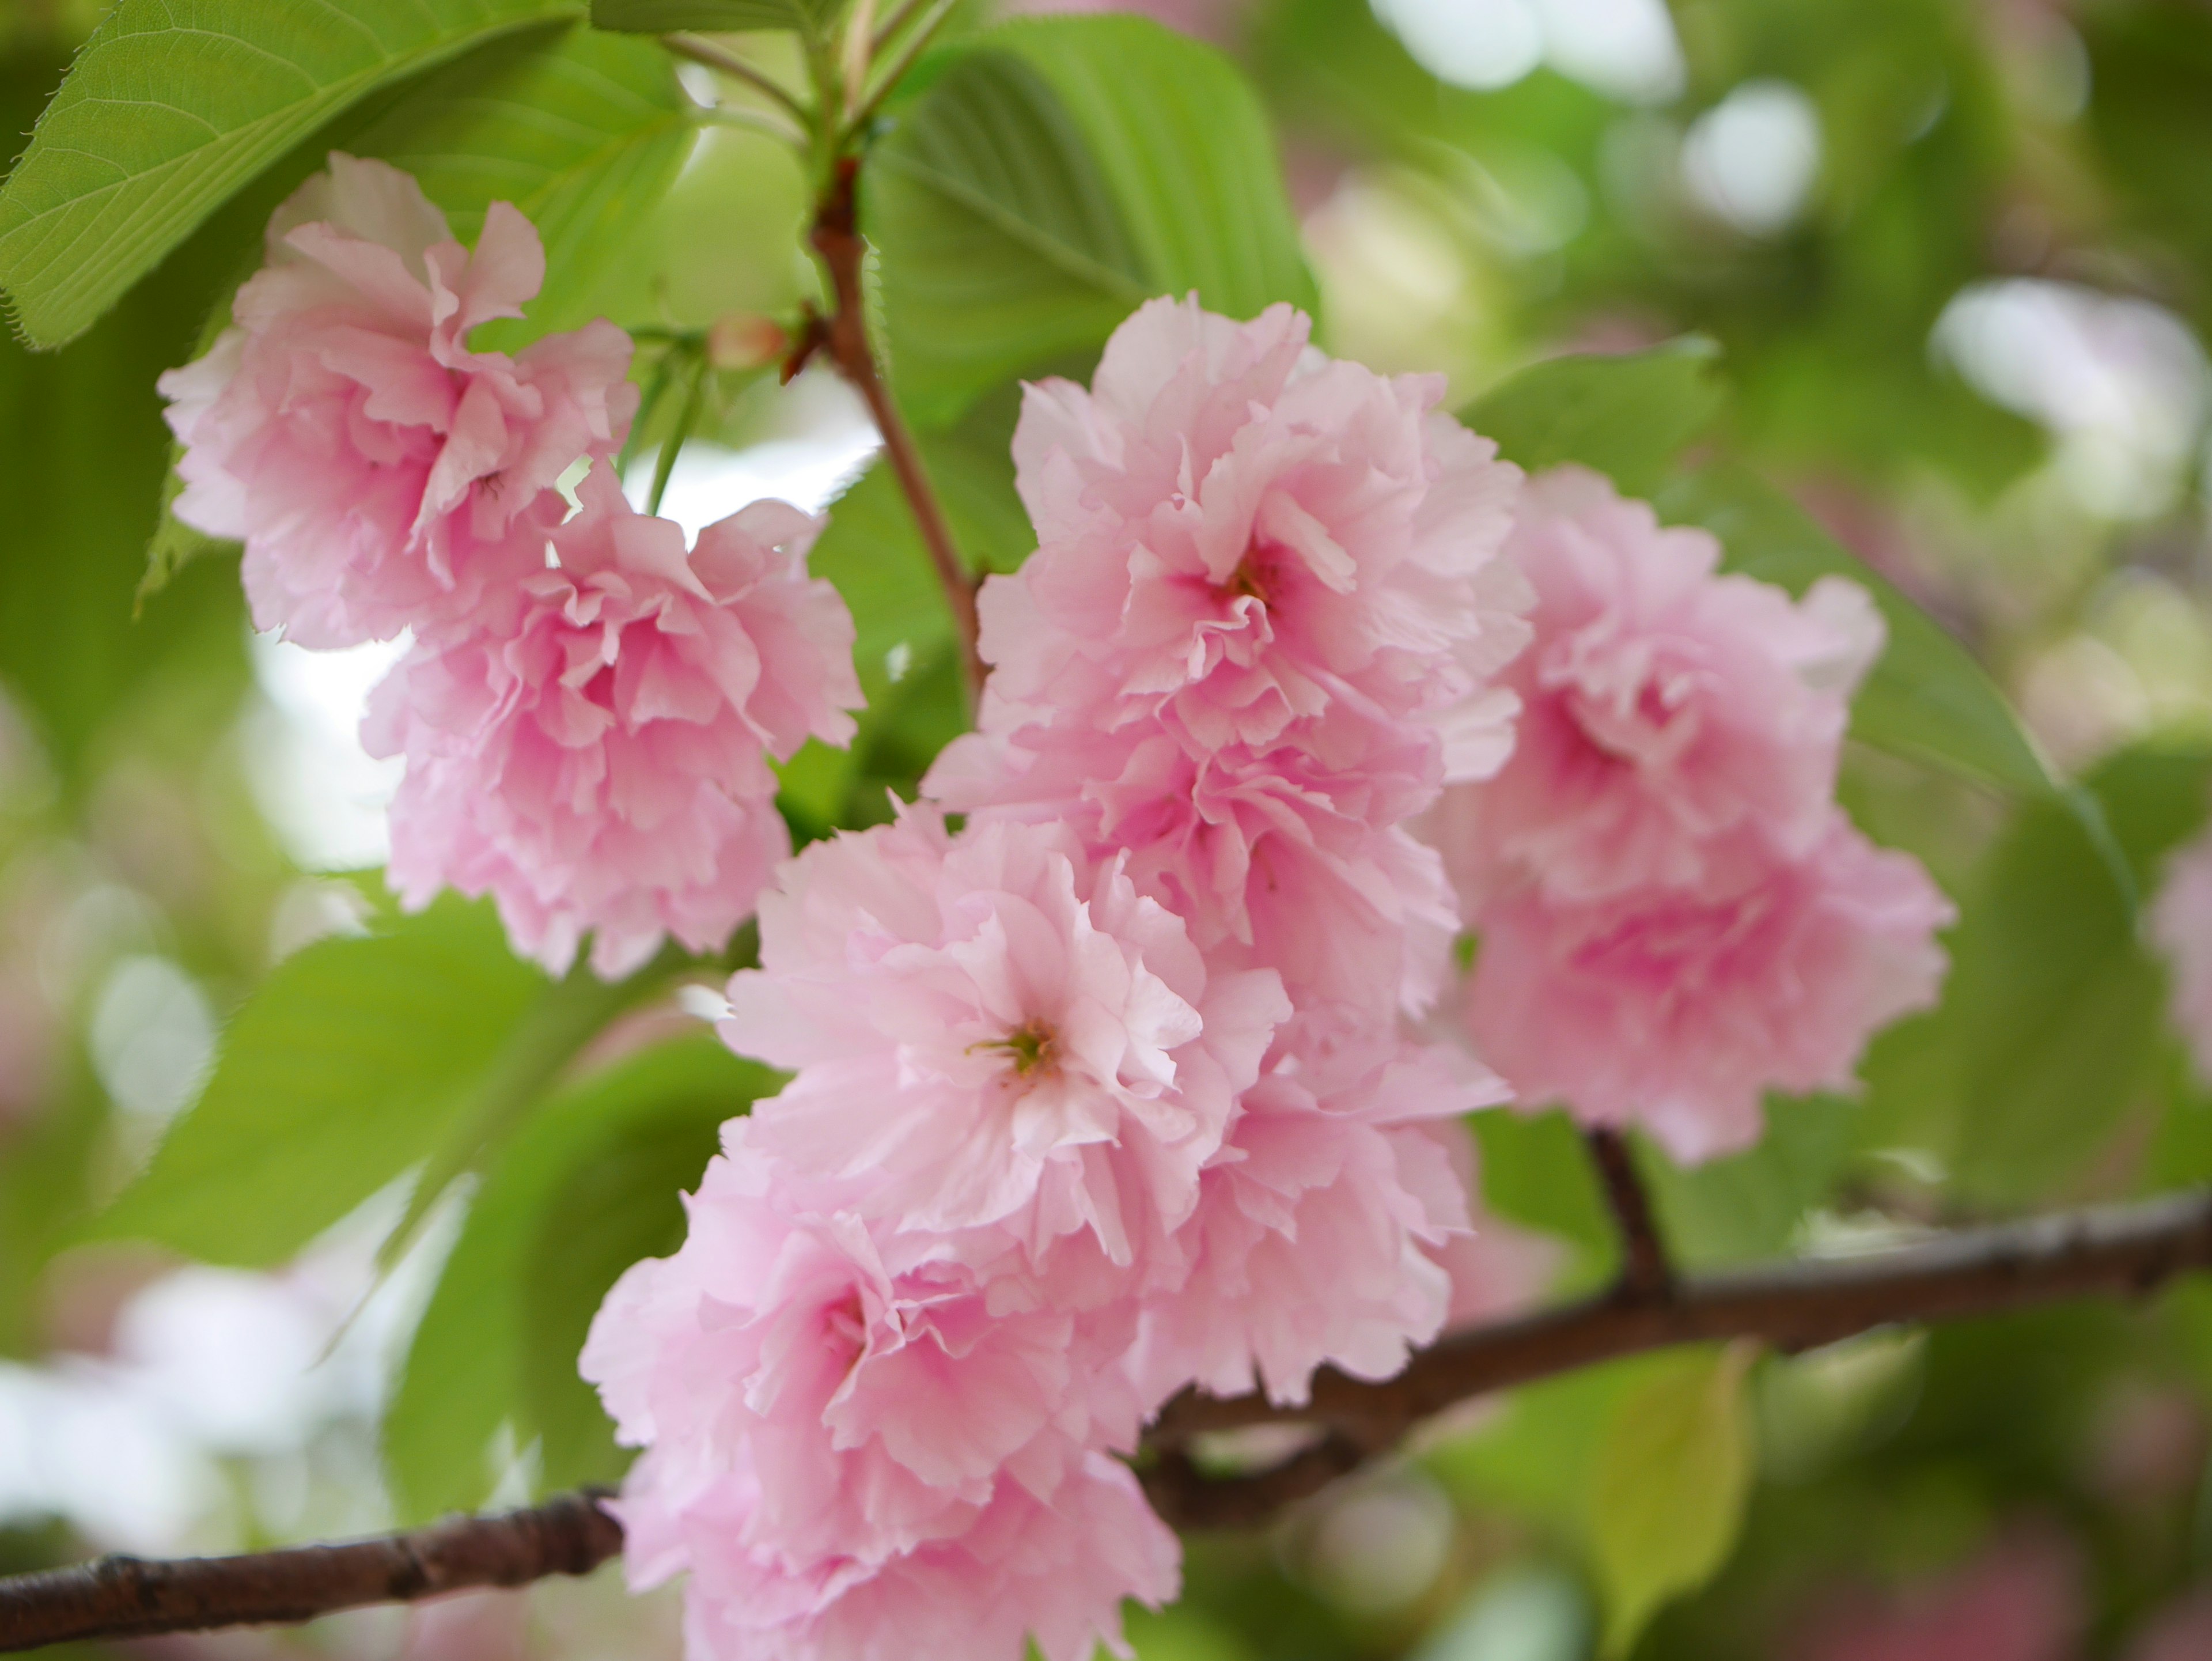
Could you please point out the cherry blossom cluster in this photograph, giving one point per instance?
(1129, 1059)
(1673, 916)
(1110, 1091)
(587, 711)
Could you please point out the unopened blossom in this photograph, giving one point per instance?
(1319, 1233)
(1259, 632)
(1678, 1008)
(382, 474)
(866, 1444)
(996, 1029)
(2181, 923)
(1673, 720)
(593, 749)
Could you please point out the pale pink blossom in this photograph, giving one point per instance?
(1259, 632)
(592, 750)
(1053, 1569)
(1677, 1008)
(381, 474)
(996, 1029)
(1319, 1231)
(2181, 923)
(1673, 720)
(862, 1443)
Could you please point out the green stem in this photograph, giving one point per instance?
(665, 463)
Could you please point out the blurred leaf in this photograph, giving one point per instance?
(1927, 698)
(1747, 1207)
(589, 1186)
(1536, 1170)
(1535, 1457)
(2149, 67)
(582, 130)
(342, 1069)
(666, 16)
(2054, 1007)
(1058, 174)
(170, 108)
(1668, 1486)
(1627, 415)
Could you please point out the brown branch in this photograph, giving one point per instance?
(126, 1597)
(2120, 1250)
(836, 237)
(1645, 1274)
(2117, 1249)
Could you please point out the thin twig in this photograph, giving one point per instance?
(887, 31)
(664, 465)
(1644, 1270)
(837, 238)
(2119, 1249)
(126, 1597)
(896, 73)
(700, 49)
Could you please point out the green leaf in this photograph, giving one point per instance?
(1668, 1490)
(2054, 1012)
(1536, 1171)
(582, 130)
(587, 1188)
(1060, 171)
(666, 16)
(1627, 415)
(1747, 1207)
(341, 1071)
(173, 104)
(1927, 699)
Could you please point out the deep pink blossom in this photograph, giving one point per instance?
(996, 1029)
(1673, 720)
(1258, 634)
(866, 1444)
(1676, 1008)
(1317, 1235)
(380, 473)
(2181, 922)
(593, 749)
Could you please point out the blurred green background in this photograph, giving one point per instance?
(1956, 258)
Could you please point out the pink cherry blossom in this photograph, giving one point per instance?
(380, 473)
(1318, 1230)
(1673, 720)
(2181, 923)
(1676, 1008)
(866, 1443)
(996, 1029)
(593, 749)
(1258, 633)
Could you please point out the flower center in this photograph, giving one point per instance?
(1030, 1045)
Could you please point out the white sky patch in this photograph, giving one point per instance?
(1751, 159)
(324, 794)
(2120, 383)
(208, 1364)
(1625, 49)
(822, 439)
